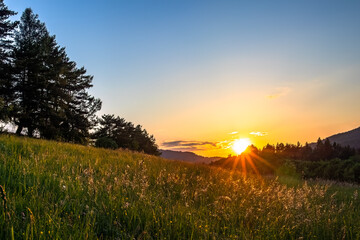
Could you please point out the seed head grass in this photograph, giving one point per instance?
(65, 191)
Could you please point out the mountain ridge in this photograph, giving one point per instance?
(187, 156)
(349, 138)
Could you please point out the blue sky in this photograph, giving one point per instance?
(197, 70)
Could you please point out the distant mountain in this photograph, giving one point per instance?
(187, 157)
(351, 138)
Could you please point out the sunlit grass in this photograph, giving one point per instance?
(61, 191)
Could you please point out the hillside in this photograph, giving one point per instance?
(187, 157)
(351, 138)
(57, 190)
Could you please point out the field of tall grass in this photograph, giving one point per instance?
(56, 190)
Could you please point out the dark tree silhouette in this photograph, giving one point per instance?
(106, 142)
(29, 67)
(125, 135)
(6, 82)
(306, 152)
(51, 92)
(269, 149)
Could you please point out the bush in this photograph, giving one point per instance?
(288, 169)
(335, 169)
(105, 142)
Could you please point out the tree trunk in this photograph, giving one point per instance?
(30, 132)
(19, 130)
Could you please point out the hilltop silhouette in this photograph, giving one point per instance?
(350, 138)
(187, 157)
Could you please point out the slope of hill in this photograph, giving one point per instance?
(351, 138)
(52, 190)
(187, 157)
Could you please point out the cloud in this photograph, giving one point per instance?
(190, 145)
(232, 133)
(225, 144)
(184, 149)
(259, 134)
(279, 92)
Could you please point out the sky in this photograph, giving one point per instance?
(200, 74)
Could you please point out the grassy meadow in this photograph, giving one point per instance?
(56, 190)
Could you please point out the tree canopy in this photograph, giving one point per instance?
(125, 135)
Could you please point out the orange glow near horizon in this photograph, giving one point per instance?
(240, 145)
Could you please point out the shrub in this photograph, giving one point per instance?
(105, 142)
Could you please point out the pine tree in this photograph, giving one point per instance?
(80, 107)
(328, 150)
(125, 135)
(52, 113)
(6, 82)
(306, 152)
(29, 67)
(52, 97)
(115, 128)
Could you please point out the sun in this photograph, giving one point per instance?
(240, 145)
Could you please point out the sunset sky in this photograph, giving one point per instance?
(200, 74)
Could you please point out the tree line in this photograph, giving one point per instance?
(322, 159)
(45, 94)
(323, 150)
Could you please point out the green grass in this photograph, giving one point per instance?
(64, 191)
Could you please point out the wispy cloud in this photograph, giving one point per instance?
(225, 144)
(184, 149)
(190, 145)
(259, 134)
(279, 92)
(232, 133)
(187, 143)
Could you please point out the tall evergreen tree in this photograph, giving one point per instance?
(51, 92)
(6, 82)
(80, 106)
(306, 152)
(30, 67)
(115, 128)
